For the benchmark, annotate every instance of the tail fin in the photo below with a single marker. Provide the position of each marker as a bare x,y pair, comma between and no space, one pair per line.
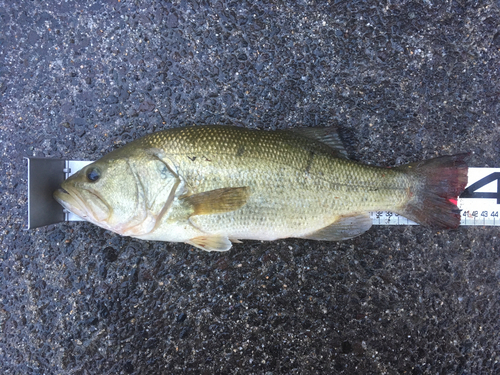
439,182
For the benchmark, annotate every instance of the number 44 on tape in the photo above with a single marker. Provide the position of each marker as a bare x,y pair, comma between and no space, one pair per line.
479,203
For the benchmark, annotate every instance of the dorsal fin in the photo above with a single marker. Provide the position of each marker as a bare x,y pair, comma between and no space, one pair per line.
328,136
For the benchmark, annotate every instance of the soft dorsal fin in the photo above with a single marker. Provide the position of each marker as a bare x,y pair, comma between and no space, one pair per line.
328,136
218,201
343,228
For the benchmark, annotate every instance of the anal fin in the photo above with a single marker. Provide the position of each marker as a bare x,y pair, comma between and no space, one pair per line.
219,200
344,228
211,243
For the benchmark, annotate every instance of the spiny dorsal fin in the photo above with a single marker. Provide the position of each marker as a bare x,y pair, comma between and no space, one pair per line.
218,201
328,136
211,243
343,228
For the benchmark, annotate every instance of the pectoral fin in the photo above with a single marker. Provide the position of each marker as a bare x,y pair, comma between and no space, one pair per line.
218,201
343,228
211,243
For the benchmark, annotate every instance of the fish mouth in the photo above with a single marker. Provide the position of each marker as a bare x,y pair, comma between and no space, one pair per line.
69,202
61,190
85,204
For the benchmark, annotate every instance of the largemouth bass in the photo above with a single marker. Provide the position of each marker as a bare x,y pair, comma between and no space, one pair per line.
209,186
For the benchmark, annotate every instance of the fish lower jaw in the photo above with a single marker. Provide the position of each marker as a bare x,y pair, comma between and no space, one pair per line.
73,204
143,227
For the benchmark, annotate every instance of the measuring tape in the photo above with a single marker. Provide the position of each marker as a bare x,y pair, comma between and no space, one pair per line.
479,203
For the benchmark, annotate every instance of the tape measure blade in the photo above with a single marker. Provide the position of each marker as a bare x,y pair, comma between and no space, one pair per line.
480,206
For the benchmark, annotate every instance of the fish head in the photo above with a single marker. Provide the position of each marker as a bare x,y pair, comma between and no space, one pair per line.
124,194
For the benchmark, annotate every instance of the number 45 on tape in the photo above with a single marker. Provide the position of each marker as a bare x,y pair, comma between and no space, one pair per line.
479,203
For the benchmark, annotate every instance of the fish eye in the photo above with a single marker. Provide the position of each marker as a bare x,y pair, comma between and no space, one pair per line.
93,174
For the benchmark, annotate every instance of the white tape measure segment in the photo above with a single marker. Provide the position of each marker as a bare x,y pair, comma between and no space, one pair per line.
479,205
483,208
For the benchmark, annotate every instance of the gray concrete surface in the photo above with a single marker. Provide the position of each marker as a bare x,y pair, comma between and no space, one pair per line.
404,80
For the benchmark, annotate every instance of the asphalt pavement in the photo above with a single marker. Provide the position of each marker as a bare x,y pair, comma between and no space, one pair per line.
402,80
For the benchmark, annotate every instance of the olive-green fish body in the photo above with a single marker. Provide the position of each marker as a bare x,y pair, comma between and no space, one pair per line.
210,185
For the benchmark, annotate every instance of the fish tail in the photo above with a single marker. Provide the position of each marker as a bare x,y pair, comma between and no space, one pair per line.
438,183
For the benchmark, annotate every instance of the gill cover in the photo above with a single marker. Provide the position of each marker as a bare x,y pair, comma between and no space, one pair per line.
127,194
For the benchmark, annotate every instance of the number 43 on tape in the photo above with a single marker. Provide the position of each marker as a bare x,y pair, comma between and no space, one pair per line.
479,203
